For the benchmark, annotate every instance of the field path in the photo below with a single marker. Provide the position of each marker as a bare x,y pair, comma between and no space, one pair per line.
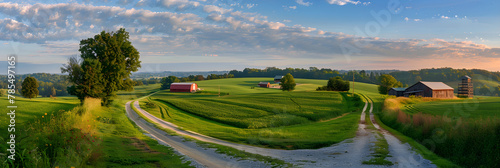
349,153
201,156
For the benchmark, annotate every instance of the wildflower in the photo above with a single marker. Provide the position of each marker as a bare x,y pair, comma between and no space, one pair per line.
46,144
45,113
43,116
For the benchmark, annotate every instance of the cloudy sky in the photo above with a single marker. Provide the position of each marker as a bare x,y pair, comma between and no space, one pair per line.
202,35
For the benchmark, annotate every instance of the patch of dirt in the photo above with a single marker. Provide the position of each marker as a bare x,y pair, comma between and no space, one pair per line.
141,145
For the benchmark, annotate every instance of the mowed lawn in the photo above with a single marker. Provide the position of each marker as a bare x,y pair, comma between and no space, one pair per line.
304,118
476,108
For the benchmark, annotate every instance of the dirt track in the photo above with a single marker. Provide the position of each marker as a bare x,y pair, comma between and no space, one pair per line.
349,153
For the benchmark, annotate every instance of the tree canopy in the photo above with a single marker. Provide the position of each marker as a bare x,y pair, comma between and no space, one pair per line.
104,67
387,82
166,81
336,84
29,87
287,83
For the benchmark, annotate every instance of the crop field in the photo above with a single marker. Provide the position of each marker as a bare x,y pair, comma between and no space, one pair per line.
304,118
476,108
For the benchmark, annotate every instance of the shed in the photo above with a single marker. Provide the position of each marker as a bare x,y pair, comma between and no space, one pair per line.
264,84
278,78
183,87
430,89
398,92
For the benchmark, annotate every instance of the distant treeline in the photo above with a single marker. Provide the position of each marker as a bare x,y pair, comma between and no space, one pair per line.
368,76
189,78
312,73
147,75
49,84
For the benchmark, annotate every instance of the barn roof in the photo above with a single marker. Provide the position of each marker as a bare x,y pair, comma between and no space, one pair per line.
182,84
465,77
399,89
278,77
436,85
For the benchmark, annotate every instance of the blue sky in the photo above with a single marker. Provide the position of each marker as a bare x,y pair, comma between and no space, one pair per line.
204,35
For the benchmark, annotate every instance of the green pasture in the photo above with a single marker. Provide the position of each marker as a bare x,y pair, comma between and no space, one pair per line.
269,117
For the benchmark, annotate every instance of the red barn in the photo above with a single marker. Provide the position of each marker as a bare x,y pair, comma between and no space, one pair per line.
183,87
430,89
264,84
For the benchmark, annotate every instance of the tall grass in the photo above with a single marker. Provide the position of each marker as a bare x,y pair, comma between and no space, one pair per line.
467,142
63,139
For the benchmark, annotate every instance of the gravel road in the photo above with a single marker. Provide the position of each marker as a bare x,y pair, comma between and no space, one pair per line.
349,153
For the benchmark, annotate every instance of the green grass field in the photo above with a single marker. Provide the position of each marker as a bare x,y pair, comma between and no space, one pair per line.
476,108
262,116
108,138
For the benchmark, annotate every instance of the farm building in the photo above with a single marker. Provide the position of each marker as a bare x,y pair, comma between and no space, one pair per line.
398,92
465,88
278,78
264,84
430,89
183,87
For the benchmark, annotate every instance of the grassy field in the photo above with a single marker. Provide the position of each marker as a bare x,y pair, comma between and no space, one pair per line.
378,103
262,116
477,108
466,131
69,135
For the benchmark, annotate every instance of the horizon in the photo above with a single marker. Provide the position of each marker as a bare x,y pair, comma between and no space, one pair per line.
211,35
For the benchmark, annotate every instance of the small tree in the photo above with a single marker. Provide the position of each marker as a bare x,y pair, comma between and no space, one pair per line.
338,84
387,82
288,83
29,87
53,90
166,81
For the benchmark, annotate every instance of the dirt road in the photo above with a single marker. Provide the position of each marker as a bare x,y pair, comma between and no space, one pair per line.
349,153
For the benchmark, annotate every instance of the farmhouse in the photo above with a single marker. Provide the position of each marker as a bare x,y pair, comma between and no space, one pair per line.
278,78
183,87
398,92
430,89
264,84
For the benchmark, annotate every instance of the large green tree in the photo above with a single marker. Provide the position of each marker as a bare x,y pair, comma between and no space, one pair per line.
387,82
288,83
107,60
29,87
166,81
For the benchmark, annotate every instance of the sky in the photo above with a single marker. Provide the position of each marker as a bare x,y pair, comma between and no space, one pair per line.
204,35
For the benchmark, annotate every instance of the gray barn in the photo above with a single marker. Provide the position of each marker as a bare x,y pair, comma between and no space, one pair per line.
430,89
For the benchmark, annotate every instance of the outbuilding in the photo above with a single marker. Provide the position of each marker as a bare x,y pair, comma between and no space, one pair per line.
264,84
430,89
278,78
183,87
398,92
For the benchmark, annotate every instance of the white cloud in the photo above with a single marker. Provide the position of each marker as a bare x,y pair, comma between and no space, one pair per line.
292,7
223,31
301,2
445,17
406,19
417,20
344,2
251,5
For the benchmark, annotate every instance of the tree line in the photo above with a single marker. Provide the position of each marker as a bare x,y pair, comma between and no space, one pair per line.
166,81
